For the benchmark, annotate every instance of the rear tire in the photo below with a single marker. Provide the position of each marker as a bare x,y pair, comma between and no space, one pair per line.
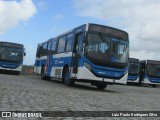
66,78
17,73
101,86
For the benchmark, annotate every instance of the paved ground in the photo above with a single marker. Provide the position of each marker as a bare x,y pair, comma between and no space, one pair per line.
29,92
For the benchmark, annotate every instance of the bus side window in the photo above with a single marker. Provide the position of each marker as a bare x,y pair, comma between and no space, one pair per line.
77,48
44,49
61,44
38,50
49,48
53,47
69,42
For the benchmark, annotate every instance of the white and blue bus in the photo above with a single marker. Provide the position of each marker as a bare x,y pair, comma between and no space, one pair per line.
133,72
11,57
150,72
89,53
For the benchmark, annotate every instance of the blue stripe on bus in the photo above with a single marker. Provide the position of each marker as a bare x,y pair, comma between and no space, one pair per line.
10,65
99,70
132,77
57,62
101,67
106,71
151,79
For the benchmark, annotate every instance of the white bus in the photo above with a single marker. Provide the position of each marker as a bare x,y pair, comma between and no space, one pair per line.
150,72
11,57
89,53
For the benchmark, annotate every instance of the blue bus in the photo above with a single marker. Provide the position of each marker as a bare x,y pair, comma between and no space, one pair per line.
150,72
11,57
89,53
133,72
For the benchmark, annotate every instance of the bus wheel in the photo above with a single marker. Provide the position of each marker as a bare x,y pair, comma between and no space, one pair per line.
66,78
101,86
154,86
48,78
17,73
43,77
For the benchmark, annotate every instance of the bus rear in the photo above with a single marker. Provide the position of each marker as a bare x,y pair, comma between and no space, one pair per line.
150,72
133,73
11,57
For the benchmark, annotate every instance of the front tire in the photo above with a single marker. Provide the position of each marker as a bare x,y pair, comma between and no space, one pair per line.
154,86
101,86
43,77
66,78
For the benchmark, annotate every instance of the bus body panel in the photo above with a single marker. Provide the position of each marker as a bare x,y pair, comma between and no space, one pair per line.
145,78
133,79
85,74
18,69
12,58
56,62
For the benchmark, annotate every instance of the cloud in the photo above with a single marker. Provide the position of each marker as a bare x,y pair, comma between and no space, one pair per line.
42,4
140,18
13,12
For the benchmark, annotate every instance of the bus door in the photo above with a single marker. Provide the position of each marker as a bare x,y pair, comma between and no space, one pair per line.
38,61
49,61
78,50
142,73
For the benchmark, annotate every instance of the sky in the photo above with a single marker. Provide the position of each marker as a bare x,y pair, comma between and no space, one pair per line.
30,22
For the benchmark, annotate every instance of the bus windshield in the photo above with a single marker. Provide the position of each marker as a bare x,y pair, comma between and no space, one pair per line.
154,69
133,68
8,54
105,48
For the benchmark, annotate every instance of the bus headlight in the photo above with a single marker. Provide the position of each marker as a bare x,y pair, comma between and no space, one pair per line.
87,66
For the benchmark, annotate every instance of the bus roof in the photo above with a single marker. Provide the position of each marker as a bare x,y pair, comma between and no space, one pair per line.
87,26
134,60
150,61
11,44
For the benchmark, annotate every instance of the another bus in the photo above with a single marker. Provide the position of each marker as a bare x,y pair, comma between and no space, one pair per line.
11,57
150,72
133,73
89,53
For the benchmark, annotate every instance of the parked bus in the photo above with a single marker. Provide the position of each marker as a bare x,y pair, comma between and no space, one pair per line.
150,72
11,57
89,53
133,72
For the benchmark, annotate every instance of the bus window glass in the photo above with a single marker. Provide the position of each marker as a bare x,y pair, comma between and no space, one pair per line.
61,44
98,46
69,45
120,51
53,48
44,49
38,51
49,47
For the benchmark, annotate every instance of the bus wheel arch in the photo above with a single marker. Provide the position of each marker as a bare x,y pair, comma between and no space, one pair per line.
66,76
